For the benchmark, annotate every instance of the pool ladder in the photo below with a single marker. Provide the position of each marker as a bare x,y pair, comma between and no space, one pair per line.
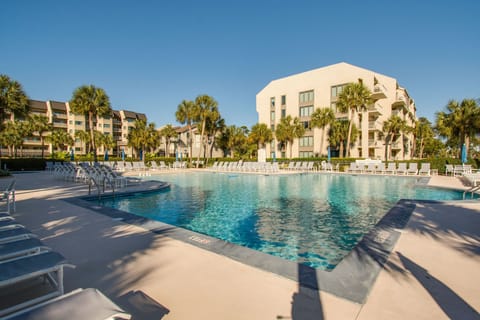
100,189
472,190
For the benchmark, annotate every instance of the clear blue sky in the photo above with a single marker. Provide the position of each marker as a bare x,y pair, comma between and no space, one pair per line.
150,55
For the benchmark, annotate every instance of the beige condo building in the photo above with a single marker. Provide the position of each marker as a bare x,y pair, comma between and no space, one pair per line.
118,124
300,94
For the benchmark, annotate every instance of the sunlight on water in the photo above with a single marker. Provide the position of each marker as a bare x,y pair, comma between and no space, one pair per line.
315,219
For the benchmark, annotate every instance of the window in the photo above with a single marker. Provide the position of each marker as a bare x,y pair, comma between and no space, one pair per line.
284,113
306,141
306,97
336,90
78,123
70,122
272,102
306,124
272,116
284,100
305,154
106,125
272,127
306,111
272,144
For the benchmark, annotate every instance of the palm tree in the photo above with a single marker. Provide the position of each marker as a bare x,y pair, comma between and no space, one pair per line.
186,113
92,102
13,135
423,133
85,138
13,100
392,128
233,140
322,118
143,137
41,125
207,108
338,135
460,122
355,97
213,128
105,141
168,132
289,129
261,134
59,139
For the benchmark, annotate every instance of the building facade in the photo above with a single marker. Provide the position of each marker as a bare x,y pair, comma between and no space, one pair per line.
118,124
300,94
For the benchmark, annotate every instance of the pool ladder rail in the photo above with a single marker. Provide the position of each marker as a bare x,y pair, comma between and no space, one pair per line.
472,190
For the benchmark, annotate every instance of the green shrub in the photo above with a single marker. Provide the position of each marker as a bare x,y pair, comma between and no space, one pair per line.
23,164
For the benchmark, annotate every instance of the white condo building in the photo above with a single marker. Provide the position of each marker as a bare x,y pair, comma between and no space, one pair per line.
300,94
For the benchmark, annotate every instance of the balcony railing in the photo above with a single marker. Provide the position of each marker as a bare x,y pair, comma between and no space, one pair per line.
379,92
374,124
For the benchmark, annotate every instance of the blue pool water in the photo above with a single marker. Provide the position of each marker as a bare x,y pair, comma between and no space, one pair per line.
315,219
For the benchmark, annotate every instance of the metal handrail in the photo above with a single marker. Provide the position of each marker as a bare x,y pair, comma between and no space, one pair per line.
471,190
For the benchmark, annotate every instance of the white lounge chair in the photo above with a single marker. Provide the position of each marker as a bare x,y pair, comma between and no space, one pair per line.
291,165
412,168
79,304
391,168
449,169
402,168
371,167
380,168
6,224
9,197
424,169
49,264
15,234
21,248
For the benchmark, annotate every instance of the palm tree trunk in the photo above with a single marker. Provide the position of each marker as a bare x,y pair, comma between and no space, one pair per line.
201,142
341,149
467,143
321,141
92,138
414,145
386,148
190,142
43,145
421,148
290,146
350,124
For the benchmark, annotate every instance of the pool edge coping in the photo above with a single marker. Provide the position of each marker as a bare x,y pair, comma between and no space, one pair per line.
352,279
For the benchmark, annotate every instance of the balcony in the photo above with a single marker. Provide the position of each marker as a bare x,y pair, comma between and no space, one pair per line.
396,146
376,109
400,102
379,92
59,125
374,125
60,115
341,115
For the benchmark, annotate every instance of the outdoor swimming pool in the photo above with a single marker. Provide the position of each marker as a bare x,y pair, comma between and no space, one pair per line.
314,219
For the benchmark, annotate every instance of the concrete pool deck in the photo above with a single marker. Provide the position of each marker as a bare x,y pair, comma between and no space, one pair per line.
433,271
